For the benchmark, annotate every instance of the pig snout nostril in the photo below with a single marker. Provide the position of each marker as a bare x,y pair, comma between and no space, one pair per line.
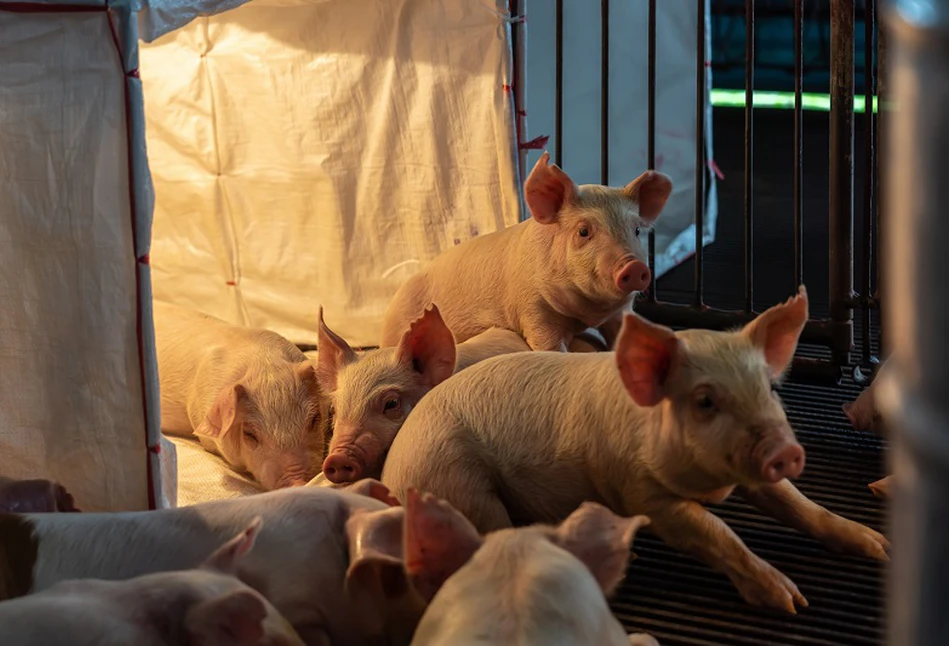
339,468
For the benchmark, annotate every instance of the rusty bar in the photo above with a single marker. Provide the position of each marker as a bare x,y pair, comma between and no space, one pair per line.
749,153
651,136
558,101
798,143
699,153
605,92
840,247
869,23
912,392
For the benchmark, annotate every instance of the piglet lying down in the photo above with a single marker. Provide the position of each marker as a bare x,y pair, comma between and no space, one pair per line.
329,561
668,422
206,606
520,587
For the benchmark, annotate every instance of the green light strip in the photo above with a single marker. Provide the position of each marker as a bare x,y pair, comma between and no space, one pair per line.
785,100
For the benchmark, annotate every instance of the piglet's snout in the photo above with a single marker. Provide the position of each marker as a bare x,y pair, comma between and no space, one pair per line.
340,467
780,459
633,276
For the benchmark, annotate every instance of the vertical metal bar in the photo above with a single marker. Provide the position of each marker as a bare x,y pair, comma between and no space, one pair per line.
881,139
798,143
749,152
605,92
518,47
558,102
869,20
912,394
697,299
840,247
651,134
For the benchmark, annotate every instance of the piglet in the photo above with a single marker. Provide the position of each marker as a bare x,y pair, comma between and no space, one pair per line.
249,395
39,495
574,264
330,561
533,585
667,422
207,606
863,412
372,394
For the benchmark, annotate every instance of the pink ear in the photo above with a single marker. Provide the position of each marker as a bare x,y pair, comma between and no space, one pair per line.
601,540
223,414
226,557
234,619
776,331
547,189
429,347
333,353
650,190
439,540
645,354
375,552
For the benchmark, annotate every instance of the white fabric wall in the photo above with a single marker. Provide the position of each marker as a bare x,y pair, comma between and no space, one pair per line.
676,22
71,382
315,151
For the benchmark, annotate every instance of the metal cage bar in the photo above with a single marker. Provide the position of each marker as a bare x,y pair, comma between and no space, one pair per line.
749,153
651,135
697,299
605,92
798,144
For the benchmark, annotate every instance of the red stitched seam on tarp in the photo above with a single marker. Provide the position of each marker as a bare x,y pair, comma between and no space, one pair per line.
230,282
138,272
145,260
155,449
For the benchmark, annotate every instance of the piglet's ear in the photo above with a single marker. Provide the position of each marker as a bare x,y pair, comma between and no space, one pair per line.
777,330
233,619
601,540
439,540
429,348
650,190
226,558
547,190
224,414
645,355
333,354
375,555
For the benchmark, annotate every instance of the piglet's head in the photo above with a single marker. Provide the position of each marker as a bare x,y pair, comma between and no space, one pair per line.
715,392
269,423
594,233
373,394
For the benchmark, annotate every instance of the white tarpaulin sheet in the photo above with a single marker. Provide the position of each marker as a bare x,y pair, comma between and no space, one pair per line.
71,382
315,152
628,91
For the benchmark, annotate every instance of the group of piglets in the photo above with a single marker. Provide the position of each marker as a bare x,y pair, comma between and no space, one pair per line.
484,471
310,566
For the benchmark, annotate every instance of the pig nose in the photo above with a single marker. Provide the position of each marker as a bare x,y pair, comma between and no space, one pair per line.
341,467
633,277
786,463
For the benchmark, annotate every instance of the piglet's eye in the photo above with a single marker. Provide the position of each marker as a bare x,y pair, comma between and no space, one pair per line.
584,232
638,231
251,438
705,403
390,404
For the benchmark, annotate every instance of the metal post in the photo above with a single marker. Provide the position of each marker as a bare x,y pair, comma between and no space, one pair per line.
605,92
869,185
798,143
913,394
519,81
558,101
697,299
651,134
841,179
749,153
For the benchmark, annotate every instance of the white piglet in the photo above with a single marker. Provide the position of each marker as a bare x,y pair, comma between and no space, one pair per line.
206,606
248,394
373,393
520,587
577,263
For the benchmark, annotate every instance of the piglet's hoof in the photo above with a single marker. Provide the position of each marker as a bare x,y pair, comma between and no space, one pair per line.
33,496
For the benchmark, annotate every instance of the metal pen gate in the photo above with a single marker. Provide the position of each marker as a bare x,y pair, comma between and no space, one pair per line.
835,332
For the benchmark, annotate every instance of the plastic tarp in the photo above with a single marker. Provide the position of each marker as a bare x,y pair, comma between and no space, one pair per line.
676,24
317,151
74,320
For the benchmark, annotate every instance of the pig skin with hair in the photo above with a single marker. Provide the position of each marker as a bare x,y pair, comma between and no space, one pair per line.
248,395
372,393
520,587
576,263
206,605
330,561
667,422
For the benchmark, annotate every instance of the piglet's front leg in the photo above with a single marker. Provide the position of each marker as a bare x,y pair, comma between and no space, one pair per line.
689,527
786,503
